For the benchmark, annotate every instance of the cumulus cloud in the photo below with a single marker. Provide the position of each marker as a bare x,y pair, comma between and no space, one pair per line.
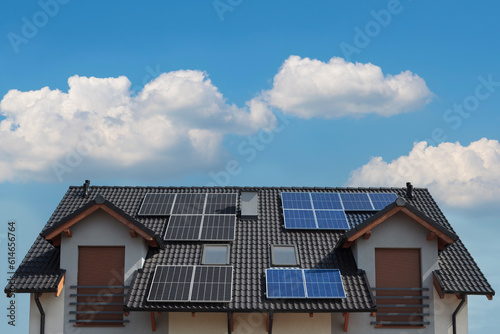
175,124
311,88
460,176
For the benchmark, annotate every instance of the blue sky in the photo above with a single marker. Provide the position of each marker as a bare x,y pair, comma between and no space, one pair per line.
329,93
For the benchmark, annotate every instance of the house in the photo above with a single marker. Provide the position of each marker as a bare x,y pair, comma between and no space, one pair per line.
248,260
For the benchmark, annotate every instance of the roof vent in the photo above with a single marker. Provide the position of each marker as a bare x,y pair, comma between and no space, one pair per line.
409,190
86,186
99,199
249,204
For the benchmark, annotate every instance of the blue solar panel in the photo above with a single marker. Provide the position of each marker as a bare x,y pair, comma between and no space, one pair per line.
326,201
324,283
331,220
299,219
296,201
356,202
285,283
381,200
304,283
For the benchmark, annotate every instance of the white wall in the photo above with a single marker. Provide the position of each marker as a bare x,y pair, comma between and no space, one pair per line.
400,231
98,229
54,313
444,308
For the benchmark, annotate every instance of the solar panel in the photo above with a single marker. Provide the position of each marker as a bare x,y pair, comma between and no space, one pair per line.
304,283
285,283
218,227
326,201
296,201
157,204
381,200
212,284
189,204
332,220
299,219
324,283
183,227
171,284
356,202
191,283
221,204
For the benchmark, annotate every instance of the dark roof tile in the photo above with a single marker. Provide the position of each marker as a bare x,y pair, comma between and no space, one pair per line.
458,272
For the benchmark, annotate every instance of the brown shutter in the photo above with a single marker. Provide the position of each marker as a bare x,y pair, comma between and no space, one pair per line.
399,269
103,269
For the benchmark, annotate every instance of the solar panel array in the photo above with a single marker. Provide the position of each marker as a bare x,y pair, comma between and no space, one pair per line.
191,284
304,283
326,211
157,205
160,204
201,227
194,216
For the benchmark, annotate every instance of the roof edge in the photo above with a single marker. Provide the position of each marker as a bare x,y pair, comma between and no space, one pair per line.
99,202
400,205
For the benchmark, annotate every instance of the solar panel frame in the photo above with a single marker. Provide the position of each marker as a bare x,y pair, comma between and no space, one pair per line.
183,227
300,219
221,204
157,204
218,223
331,220
381,200
326,201
296,200
356,202
171,278
189,204
324,283
207,283
285,283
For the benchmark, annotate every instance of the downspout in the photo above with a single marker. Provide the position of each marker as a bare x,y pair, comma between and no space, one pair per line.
42,314
454,317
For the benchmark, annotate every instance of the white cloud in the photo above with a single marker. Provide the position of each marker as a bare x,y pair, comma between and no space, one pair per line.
311,88
459,176
175,124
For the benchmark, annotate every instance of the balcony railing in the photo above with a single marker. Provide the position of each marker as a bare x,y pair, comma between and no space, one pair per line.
98,305
401,307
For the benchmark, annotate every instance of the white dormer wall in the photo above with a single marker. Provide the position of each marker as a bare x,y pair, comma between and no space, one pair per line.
101,229
401,231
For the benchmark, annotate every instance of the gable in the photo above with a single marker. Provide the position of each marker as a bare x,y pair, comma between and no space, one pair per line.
99,204
400,208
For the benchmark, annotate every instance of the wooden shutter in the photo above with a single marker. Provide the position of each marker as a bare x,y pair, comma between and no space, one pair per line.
101,277
399,269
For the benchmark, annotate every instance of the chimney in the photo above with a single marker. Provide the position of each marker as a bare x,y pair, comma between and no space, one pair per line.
409,190
86,186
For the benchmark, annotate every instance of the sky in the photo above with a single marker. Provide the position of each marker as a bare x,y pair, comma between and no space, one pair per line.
259,93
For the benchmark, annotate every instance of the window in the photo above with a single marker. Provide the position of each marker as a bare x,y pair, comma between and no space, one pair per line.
215,254
100,289
398,287
284,255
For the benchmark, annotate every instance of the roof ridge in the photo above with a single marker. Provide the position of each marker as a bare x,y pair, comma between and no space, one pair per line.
247,187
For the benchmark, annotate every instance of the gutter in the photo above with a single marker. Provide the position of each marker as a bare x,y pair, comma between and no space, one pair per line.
42,314
454,316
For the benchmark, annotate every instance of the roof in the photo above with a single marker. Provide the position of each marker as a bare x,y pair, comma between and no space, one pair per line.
458,272
400,205
99,202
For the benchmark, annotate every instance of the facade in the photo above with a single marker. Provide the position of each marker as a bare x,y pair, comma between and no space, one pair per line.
248,260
